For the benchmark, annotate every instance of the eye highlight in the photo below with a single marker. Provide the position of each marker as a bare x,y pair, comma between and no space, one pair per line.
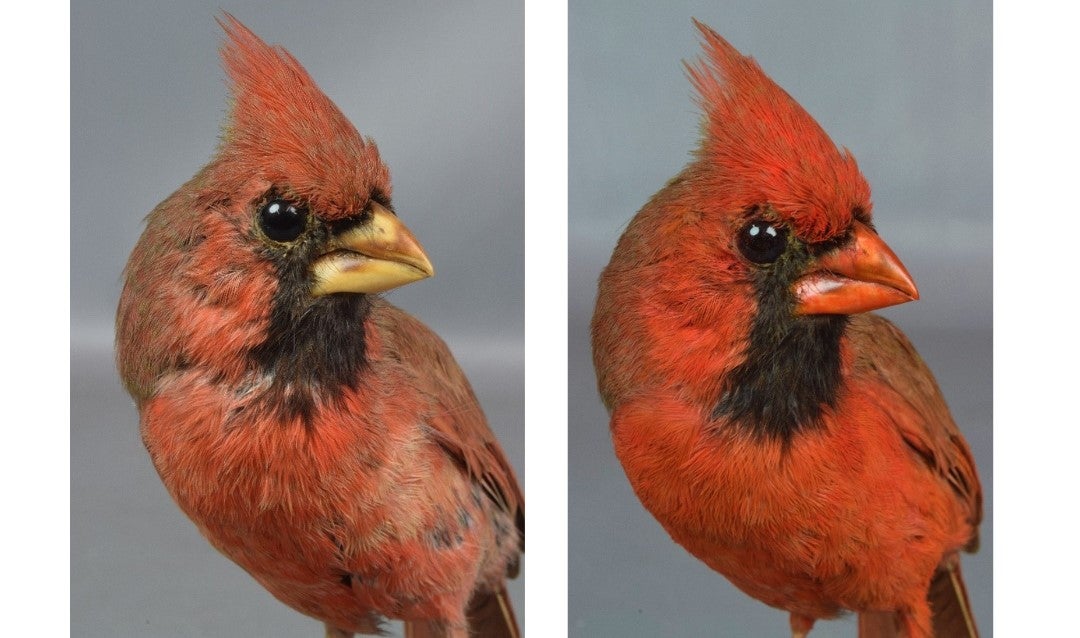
762,242
282,220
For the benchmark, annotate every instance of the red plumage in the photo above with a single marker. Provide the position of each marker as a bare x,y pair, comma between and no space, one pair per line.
792,443
321,438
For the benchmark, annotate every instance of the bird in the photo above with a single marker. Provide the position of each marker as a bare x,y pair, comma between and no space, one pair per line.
776,428
324,440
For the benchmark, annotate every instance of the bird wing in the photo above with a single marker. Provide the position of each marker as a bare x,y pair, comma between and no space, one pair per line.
884,353
457,423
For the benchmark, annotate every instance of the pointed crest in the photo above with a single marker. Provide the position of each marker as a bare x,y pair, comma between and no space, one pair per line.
760,146
282,127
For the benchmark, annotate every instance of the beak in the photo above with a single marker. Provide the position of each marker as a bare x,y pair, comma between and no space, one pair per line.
375,256
862,275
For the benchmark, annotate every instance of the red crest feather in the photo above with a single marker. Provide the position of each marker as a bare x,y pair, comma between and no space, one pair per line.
283,128
760,146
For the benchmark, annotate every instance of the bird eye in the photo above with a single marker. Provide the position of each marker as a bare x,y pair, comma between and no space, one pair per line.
282,220
762,242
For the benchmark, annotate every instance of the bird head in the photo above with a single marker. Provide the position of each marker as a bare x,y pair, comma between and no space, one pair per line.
320,189
273,250
780,203
749,261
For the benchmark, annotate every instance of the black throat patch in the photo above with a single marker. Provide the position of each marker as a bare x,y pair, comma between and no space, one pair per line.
313,346
791,370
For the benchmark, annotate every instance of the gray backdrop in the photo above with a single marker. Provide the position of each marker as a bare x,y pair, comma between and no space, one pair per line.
440,89
905,86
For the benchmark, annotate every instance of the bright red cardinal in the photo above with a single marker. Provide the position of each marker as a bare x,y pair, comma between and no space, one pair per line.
324,440
796,446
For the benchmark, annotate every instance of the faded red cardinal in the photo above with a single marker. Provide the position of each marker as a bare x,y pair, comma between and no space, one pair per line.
321,438
795,445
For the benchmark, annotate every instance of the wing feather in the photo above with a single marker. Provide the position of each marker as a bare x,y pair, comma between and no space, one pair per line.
882,351
456,421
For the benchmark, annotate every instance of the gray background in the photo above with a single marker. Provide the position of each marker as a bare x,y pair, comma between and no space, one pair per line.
905,86
440,89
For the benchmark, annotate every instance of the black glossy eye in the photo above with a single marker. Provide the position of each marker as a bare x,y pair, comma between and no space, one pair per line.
762,242
282,220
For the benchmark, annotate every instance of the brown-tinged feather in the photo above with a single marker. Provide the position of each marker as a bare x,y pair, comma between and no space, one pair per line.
457,423
884,354
950,604
878,624
490,616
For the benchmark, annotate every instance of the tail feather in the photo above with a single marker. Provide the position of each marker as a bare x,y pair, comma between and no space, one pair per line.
878,624
950,605
422,629
490,615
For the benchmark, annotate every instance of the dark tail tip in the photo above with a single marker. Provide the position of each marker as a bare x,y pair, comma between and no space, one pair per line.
491,616
949,603
878,624
950,609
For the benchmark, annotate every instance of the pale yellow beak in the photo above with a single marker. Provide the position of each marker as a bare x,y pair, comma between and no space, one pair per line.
375,256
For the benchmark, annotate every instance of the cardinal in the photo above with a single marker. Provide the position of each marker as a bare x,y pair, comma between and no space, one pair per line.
318,436
779,432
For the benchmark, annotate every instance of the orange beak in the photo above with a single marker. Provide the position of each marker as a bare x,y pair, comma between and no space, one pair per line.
862,275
